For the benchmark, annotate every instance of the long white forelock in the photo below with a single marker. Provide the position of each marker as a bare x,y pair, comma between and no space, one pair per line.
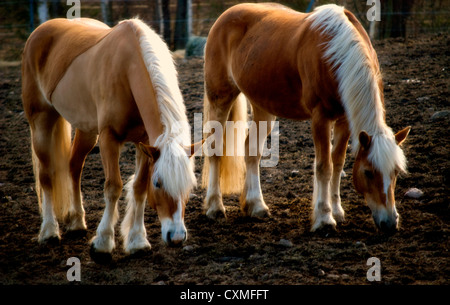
358,87
174,169
386,155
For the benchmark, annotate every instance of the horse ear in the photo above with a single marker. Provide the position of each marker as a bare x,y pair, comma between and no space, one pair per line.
192,149
150,151
400,136
364,140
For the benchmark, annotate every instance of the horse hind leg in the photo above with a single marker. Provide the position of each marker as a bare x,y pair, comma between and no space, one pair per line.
51,148
213,204
132,227
81,146
221,174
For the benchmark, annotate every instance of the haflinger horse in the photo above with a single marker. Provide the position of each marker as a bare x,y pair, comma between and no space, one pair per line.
319,66
113,85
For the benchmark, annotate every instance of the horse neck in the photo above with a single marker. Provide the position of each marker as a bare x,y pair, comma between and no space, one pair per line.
145,99
154,129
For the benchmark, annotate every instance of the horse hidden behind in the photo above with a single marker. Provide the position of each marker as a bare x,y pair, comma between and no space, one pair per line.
319,66
113,85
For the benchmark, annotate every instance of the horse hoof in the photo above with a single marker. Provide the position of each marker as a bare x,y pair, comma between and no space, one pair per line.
51,241
261,214
216,214
75,234
139,253
338,214
102,258
325,230
339,218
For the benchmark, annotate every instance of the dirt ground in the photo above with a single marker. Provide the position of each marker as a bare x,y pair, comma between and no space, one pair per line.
239,250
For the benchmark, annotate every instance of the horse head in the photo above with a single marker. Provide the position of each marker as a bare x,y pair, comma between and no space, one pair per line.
169,205
377,185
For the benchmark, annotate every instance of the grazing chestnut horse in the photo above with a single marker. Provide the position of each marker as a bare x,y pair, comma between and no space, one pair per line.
113,85
319,66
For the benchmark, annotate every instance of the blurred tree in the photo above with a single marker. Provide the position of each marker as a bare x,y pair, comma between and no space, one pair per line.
107,11
183,23
158,23
42,11
58,9
165,9
394,14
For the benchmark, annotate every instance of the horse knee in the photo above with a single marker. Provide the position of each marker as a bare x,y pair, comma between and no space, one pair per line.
45,179
139,190
250,160
113,188
323,170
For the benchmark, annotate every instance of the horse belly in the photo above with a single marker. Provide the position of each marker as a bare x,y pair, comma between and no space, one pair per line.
278,102
272,85
73,100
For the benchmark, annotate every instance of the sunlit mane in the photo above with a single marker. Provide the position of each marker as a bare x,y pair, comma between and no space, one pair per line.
357,78
173,168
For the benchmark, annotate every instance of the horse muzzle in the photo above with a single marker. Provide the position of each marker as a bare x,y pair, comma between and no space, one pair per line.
173,234
175,239
387,225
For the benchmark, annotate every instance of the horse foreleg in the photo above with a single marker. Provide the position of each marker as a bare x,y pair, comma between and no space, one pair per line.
341,137
103,243
81,146
252,201
132,227
321,131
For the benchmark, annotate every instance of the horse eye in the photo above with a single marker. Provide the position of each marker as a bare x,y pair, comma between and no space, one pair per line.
368,174
156,184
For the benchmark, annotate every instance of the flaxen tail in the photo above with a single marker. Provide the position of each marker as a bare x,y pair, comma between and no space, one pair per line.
58,149
232,169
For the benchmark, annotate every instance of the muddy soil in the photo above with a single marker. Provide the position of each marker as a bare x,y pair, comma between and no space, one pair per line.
239,250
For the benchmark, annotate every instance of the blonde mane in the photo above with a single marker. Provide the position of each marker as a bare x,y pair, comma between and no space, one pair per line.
357,78
174,168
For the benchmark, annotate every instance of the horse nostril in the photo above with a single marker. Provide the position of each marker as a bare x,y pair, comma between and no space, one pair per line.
168,238
388,228
174,242
383,226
